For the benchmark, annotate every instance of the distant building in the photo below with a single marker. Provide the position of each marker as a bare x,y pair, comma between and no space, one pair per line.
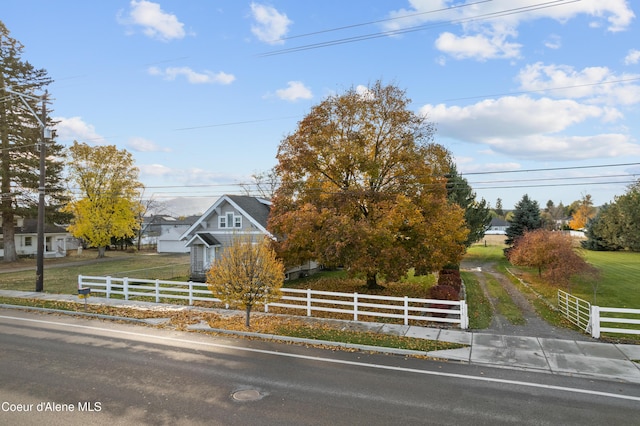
497,227
164,232
57,240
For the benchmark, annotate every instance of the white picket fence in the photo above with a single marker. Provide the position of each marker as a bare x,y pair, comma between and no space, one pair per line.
591,319
358,306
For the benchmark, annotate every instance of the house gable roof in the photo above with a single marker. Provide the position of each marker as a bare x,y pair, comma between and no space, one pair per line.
205,238
30,226
255,209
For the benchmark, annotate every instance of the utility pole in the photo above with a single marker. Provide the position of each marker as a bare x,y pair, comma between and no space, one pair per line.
41,194
42,145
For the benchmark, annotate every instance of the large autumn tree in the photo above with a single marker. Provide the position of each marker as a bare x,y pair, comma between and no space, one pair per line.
20,137
363,186
108,205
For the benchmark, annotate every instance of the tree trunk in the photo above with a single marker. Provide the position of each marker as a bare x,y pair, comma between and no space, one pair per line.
101,251
8,236
247,316
372,281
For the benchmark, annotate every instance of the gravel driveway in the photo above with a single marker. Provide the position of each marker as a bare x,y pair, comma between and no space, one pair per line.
534,326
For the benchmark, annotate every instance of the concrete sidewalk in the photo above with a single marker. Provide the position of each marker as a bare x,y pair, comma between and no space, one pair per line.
565,357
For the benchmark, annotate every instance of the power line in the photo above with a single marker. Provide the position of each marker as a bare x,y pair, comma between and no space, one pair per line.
410,15
482,17
550,169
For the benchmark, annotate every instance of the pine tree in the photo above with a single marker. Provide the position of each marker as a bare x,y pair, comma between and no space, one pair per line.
526,217
476,213
20,134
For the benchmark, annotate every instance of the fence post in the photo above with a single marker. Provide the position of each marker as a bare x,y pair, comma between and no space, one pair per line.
595,322
79,281
355,306
308,302
125,287
464,315
406,310
190,283
108,287
157,291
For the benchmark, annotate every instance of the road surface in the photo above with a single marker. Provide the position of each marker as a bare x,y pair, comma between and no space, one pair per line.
65,370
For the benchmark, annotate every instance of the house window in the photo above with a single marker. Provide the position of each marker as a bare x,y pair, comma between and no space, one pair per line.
28,241
230,220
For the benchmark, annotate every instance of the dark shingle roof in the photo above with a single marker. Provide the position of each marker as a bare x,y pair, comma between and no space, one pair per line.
254,207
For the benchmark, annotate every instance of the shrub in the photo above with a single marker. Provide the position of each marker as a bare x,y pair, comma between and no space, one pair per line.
450,277
444,292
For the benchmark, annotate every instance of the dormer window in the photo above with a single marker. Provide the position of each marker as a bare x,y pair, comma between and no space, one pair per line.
230,220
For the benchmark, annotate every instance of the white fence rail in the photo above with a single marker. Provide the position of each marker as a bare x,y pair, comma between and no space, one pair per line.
364,305
591,318
632,317
352,304
576,310
156,289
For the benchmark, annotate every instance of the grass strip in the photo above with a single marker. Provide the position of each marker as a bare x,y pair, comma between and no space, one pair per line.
264,324
504,303
480,311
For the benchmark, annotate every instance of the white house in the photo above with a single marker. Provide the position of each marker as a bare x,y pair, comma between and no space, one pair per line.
56,238
497,227
229,216
164,233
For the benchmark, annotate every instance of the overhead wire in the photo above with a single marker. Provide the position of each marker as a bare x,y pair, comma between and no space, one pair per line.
486,16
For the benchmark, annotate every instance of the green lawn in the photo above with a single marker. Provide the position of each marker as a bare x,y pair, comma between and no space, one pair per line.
64,279
619,284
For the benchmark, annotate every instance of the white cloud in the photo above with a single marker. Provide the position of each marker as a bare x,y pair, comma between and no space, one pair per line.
493,38
633,57
480,46
553,42
193,77
155,22
598,85
295,90
145,145
270,25
530,129
156,170
74,128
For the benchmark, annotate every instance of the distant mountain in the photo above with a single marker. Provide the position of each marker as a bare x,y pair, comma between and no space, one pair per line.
184,206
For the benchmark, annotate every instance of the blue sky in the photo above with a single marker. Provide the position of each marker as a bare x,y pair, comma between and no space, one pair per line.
531,96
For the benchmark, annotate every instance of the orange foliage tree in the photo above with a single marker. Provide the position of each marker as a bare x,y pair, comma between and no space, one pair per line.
553,254
584,212
363,186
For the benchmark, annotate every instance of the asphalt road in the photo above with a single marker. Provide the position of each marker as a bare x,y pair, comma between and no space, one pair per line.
66,370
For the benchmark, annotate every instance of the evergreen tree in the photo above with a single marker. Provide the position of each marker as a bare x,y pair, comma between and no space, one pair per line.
602,231
20,134
617,225
498,208
526,217
476,213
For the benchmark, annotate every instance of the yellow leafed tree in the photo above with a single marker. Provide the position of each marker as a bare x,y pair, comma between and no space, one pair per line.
248,273
108,205
584,212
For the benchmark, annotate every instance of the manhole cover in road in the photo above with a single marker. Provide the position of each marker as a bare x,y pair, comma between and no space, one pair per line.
246,395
